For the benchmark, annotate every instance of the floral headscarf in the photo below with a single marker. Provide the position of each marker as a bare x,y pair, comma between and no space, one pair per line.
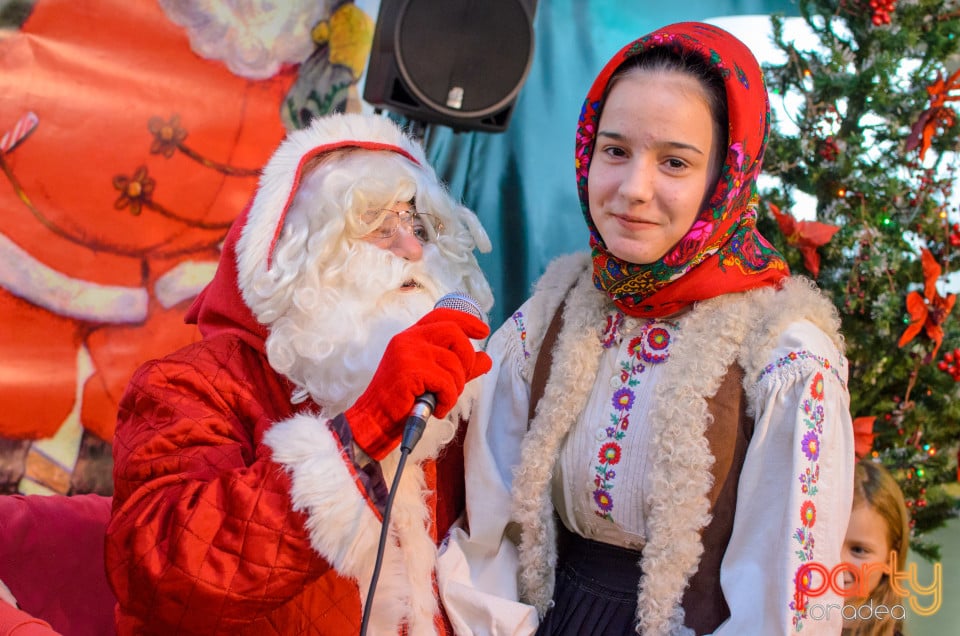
722,252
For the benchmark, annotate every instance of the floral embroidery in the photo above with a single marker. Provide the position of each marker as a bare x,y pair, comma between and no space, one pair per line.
808,514
603,500
802,580
808,481
518,320
794,356
651,346
657,339
623,399
611,332
813,419
609,453
816,389
811,446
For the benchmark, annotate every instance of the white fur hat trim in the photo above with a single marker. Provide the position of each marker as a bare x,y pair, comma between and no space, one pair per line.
281,177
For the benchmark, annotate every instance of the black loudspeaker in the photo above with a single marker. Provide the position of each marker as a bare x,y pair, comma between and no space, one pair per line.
460,63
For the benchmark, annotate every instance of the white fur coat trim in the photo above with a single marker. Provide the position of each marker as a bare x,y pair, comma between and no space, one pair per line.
345,530
706,345
575,365
712,337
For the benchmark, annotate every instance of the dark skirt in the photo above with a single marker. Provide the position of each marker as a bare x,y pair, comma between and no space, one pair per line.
595,591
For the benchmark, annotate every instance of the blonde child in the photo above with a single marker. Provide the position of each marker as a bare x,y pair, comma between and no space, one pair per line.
879,523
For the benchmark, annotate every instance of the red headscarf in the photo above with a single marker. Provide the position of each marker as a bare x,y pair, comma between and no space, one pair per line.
722,252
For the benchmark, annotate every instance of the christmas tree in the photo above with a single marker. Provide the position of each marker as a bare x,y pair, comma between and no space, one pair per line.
866,128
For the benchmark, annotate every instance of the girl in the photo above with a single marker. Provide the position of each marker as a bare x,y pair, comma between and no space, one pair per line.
665,436
879,523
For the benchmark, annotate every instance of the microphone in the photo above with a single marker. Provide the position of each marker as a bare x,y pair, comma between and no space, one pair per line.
424,404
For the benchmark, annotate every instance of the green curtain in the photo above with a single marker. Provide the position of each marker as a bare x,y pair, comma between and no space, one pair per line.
521,182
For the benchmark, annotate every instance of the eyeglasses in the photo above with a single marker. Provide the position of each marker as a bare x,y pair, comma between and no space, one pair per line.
386,222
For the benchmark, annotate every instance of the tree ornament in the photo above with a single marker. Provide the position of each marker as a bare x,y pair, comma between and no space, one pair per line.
863,435
881,11
806,236
937,116
928,311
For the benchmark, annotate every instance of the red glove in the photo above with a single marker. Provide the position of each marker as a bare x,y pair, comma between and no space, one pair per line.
435,355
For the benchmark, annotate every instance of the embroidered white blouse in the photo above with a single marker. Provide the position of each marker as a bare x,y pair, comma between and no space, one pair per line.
600,482
794,492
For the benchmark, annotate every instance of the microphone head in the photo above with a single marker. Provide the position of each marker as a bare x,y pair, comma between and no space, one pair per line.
461,302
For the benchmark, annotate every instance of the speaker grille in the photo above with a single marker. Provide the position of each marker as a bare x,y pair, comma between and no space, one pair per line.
465,58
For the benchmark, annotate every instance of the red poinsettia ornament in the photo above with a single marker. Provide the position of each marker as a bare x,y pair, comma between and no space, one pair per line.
806,236
863,435
929,310
938,115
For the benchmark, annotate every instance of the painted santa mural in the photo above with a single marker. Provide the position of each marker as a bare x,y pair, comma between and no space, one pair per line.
131,135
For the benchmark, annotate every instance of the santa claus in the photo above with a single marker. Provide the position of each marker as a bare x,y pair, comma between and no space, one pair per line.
252,468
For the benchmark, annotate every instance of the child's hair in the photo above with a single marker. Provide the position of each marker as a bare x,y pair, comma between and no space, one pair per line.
875,487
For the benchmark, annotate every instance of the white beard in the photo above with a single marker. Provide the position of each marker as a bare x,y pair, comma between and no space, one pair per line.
333,337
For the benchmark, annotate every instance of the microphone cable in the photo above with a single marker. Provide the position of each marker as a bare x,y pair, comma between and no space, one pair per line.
411,435
384,531
416,422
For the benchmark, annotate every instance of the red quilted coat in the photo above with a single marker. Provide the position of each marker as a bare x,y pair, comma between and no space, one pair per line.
236,513
204,539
